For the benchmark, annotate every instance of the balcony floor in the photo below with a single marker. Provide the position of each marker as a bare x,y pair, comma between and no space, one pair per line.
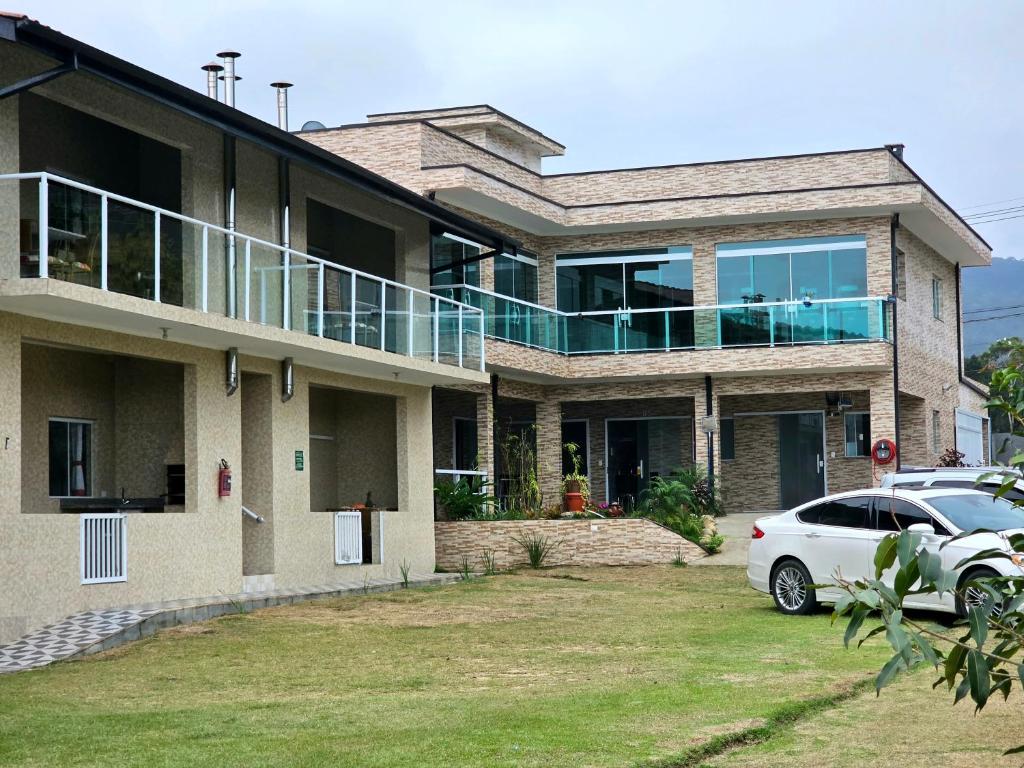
82,305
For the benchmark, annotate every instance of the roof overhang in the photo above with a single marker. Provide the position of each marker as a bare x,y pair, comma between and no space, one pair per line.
60,48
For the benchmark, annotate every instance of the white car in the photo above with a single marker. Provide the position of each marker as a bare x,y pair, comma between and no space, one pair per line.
838,535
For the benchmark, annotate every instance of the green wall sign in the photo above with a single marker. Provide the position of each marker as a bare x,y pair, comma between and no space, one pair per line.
300,461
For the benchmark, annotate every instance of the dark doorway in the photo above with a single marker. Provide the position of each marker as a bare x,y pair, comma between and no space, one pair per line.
801,458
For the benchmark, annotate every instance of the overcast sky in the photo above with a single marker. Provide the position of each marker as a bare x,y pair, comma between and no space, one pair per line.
629,83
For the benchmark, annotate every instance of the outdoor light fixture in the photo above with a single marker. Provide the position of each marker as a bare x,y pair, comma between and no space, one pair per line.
231,380
807,300
287,380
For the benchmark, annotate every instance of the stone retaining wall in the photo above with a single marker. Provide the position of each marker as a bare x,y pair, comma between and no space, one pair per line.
578,542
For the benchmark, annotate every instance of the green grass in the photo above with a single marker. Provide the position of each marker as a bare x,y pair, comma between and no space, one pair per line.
615,667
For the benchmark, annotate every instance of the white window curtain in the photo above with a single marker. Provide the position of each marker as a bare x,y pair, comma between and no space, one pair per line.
77,461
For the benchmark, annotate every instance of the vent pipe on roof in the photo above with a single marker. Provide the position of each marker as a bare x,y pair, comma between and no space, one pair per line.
211,71
282,104
229,76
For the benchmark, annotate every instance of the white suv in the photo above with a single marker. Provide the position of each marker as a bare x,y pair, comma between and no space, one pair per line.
956,477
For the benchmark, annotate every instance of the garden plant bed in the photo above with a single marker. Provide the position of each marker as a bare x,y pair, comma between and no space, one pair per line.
589,542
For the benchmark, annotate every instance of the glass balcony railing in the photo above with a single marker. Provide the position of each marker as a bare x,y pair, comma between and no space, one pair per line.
76,233
776,324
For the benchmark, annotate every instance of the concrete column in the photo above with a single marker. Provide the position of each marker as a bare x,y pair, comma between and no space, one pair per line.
485,435
883,415
549,450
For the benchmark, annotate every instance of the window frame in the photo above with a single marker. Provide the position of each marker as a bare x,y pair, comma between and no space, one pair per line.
937,298
621,258
90,484
868,515
846,435
732,441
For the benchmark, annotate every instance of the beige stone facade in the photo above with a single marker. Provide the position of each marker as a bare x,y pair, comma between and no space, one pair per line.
574,542
453,156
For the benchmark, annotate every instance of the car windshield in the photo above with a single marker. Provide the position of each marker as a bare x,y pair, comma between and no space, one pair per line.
971,511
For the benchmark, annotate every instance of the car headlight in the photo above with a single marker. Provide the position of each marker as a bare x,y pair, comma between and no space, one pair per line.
1017,559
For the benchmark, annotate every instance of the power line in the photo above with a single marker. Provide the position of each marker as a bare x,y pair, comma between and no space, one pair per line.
997,317
994,212
1004,218
993,309
993,202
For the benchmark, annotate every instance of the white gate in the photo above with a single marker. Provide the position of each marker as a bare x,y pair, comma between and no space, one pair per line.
970,437
104,547
348,538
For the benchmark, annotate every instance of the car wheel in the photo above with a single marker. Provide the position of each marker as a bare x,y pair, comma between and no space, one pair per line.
973,595
791,588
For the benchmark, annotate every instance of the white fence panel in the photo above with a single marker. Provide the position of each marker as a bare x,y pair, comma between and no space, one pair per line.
104,547
348,538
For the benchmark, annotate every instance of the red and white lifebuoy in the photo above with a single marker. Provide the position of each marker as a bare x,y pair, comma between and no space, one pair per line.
883,451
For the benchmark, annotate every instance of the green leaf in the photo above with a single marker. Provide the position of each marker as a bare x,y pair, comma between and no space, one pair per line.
856,619
906,545
1015,750
1020,673
906,577
892,666
869,597
962,690
978,620
977,674
880,628
929,565
842,605
926,650
885,555
955,662
985,554
946,582
895,634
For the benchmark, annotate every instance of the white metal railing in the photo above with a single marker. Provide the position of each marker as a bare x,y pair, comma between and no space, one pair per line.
770,324
348,537
458,474
436,328
103,538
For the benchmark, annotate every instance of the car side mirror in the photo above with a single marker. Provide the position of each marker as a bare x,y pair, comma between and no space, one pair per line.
925,529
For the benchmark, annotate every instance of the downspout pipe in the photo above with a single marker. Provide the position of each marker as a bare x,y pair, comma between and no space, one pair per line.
958,273
894,225
709,410
495,385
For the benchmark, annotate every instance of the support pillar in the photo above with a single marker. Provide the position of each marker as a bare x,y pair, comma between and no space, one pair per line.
485,436
549,450
883,420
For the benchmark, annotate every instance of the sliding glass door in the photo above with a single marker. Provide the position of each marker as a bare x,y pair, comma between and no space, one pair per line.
629,287
640,450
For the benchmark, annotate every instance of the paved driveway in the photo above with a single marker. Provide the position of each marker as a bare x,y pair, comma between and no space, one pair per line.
736,529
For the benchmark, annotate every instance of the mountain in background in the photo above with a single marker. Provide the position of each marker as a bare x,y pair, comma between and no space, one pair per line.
984,288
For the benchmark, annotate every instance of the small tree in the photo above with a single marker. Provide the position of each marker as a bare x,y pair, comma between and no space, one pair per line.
576,481
988,658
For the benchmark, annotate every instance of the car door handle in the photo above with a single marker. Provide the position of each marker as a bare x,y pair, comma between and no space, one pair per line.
813,535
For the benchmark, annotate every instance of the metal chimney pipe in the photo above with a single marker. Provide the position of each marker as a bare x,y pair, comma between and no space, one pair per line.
282,103
211,71
229,75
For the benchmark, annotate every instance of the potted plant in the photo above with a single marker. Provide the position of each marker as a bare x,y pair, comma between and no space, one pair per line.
575,486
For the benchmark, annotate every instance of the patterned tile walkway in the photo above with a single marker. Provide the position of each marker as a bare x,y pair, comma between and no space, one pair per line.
92,631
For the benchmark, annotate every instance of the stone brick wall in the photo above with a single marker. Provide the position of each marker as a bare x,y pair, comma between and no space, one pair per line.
577,542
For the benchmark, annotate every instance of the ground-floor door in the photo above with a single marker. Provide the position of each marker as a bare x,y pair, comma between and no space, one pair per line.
801,458
639,450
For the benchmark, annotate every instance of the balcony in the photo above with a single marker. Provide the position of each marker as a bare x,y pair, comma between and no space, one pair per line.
767,324
101,240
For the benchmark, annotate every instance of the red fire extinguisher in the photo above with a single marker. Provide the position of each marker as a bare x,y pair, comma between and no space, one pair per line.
224,479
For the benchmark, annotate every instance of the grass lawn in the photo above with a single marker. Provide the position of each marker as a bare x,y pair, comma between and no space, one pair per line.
573,667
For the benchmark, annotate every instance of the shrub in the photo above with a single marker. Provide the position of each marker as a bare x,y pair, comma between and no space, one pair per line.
466,499
951,457
680,501
537,547
713,544
490,568
576,480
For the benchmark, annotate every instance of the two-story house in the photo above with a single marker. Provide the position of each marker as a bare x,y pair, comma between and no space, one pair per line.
217,345
770,318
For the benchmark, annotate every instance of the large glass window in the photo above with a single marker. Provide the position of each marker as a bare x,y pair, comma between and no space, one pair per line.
446,254
807,270
516,276
465,444
70,449
841,513
615,281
